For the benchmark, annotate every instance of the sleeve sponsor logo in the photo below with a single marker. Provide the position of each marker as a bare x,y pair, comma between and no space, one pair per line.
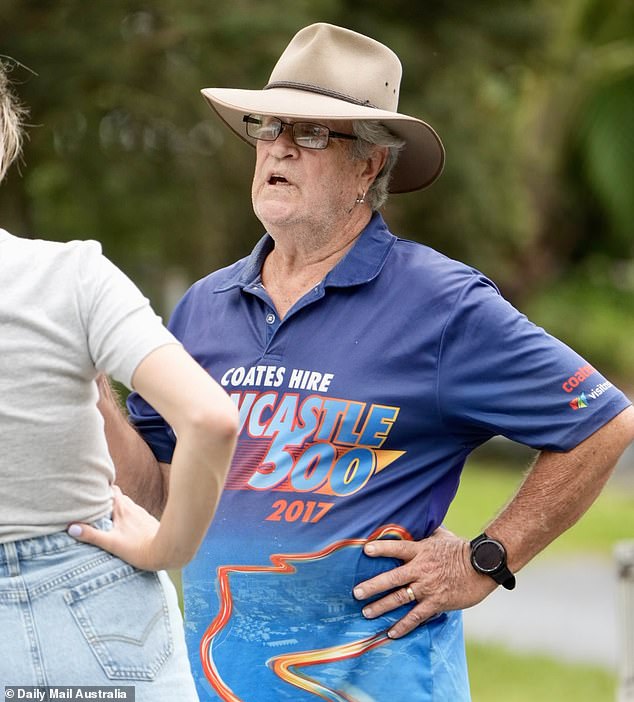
579,376
579,402
585,398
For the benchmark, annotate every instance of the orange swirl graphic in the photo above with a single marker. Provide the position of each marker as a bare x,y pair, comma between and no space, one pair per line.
285,666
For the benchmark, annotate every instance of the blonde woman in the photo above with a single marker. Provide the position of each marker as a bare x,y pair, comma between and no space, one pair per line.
71,612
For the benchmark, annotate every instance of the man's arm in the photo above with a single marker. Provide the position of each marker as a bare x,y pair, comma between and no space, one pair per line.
139,475
556,492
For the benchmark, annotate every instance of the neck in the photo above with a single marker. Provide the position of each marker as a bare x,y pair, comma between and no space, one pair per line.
302,258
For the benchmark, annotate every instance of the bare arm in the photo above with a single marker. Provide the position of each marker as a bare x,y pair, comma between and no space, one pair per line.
205,423
559,490
554,495
139,474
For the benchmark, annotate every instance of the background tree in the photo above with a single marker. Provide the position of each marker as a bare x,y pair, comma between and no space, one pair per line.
533,100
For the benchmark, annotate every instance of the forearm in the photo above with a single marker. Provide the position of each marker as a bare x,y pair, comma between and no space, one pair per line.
205,422
138,473
437,570
558,490
201,459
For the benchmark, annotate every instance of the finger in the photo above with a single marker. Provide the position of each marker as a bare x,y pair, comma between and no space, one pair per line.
392,548
89,535
398,577
398,598
414,618
389,580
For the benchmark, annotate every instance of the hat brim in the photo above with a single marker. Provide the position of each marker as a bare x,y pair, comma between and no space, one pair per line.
420,162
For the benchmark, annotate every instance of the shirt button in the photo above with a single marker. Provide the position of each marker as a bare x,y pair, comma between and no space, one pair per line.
270,318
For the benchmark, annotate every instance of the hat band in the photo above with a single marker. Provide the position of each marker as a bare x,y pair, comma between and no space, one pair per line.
321,91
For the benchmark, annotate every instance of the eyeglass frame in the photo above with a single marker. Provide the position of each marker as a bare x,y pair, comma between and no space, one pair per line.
251,119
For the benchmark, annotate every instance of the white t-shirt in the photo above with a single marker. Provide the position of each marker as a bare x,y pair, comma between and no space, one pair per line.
66,313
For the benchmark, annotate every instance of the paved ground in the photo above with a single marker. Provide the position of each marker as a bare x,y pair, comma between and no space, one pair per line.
564,608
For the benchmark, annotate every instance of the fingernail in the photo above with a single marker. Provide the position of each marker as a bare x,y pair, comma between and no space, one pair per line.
74,530
358,593
367,612
369,548
391,635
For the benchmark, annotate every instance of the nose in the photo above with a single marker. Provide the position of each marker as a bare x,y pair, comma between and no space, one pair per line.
284,144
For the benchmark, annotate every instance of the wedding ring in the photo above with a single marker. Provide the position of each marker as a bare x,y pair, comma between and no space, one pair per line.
410,594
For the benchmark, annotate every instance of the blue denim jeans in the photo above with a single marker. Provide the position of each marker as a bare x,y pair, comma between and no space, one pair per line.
72,614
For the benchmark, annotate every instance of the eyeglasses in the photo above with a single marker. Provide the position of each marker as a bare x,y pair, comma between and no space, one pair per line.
305,134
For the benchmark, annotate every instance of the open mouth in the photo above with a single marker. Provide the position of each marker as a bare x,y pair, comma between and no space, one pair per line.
277,180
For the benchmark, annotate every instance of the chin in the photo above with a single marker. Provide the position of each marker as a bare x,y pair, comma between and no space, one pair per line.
271,214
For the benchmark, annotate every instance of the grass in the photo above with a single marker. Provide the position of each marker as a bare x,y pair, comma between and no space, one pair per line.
496,674
499,676
484,490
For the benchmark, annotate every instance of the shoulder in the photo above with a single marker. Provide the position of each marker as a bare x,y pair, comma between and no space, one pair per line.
42,250
432,273
47,260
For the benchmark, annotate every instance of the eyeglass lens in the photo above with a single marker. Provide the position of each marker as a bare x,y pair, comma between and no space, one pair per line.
306,134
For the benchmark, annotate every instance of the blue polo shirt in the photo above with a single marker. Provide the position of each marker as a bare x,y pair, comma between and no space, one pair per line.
357,413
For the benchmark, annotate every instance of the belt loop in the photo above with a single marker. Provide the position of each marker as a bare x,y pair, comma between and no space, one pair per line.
13,560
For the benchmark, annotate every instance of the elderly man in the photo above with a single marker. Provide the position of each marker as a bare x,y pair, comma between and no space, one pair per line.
365,369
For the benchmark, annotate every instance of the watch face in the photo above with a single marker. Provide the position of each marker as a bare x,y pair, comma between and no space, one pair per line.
489,556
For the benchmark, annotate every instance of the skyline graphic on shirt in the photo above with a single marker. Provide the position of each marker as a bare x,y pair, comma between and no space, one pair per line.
246,593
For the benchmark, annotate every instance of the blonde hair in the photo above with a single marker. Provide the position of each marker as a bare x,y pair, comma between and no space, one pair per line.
11,115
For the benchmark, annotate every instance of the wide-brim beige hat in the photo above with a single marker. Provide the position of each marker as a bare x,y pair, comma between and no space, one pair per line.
331,73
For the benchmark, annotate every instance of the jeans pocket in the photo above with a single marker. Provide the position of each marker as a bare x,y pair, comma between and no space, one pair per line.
124,617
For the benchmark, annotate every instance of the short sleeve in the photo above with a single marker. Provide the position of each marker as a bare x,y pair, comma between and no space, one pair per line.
122,329
501,374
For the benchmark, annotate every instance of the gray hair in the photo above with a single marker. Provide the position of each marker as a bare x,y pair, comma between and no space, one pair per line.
11,116
372,133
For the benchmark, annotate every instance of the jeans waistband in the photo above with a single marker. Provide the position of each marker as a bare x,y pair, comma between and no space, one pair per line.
40,545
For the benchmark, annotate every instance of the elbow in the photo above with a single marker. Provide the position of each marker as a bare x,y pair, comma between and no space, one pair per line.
176,559
223,421
215,423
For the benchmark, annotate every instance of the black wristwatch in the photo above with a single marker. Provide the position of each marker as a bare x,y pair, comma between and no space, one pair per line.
488,557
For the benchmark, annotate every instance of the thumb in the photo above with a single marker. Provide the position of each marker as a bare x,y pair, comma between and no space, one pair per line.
88,534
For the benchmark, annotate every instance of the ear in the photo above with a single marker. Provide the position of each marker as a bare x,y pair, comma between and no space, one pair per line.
373,165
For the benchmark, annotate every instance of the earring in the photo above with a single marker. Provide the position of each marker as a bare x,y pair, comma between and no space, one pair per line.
360,200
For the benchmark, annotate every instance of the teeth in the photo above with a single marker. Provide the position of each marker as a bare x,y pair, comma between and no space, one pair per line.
274,179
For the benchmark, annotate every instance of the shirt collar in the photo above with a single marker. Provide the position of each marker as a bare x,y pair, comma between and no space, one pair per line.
360,265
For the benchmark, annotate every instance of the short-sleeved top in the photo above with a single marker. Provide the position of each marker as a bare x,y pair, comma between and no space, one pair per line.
66,312
357,413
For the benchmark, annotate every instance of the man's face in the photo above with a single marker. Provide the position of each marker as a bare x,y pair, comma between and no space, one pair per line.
294,186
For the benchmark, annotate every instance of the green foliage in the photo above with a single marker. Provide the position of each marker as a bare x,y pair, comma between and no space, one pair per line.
593,310
532,99
606,148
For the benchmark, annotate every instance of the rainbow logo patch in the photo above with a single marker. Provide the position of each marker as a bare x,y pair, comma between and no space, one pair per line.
579,402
